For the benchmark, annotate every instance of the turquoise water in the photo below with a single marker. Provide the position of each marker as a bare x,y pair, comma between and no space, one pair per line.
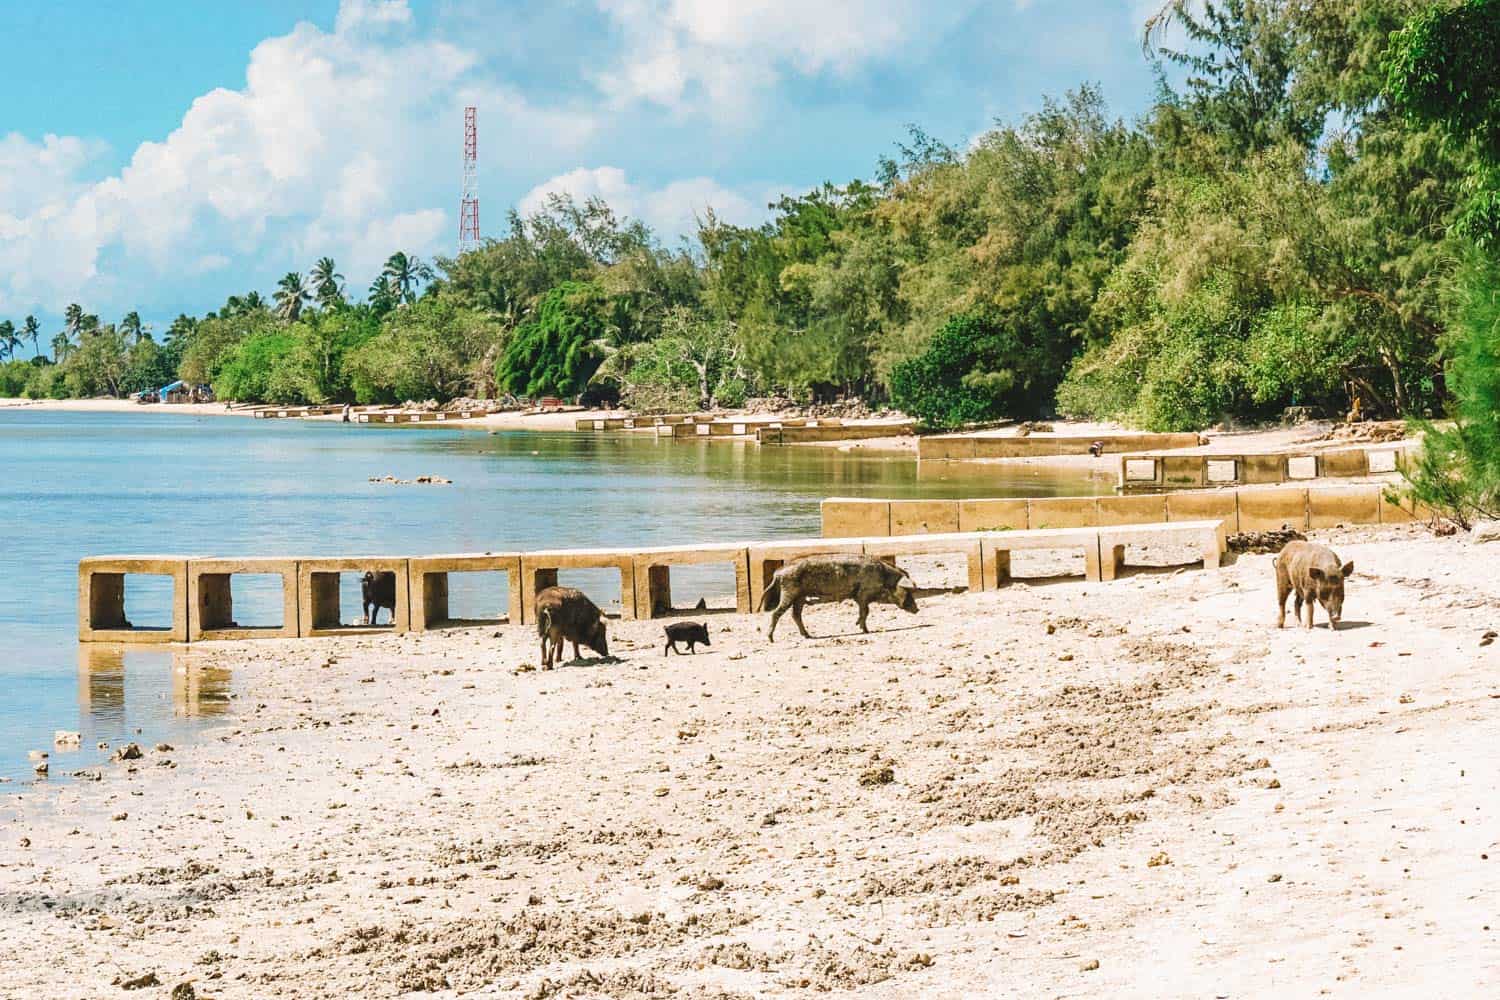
77,484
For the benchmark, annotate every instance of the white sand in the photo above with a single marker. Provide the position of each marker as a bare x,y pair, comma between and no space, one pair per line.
1161,783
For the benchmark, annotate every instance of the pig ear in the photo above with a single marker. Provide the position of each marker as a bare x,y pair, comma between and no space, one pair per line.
1315,573
1348,569
905,583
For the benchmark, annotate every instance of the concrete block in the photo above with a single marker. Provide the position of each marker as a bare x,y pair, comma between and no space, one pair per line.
539,571
211,599
1149,509
924,517
1381,460
1330,506
653,574
992,515
1260,469
1268,509
1209,536
945,449
967,544
1063,512
767,557
1182,471
1396,508
318,610
1348,462
428,583
996,549
101,598
850,517
1203,505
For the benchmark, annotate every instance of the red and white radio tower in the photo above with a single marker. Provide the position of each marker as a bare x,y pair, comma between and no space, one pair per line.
468,209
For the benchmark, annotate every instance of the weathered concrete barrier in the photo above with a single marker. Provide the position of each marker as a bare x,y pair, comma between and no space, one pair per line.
653,574
1251,509
644,422
211,598
970,546
428,580
1209,536
958,448
1160,472
318,610
742,427
101,598
845,432
539,571
999,546
767,557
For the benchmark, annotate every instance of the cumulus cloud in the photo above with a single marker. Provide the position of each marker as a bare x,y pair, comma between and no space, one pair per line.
319,153
679,50
672,210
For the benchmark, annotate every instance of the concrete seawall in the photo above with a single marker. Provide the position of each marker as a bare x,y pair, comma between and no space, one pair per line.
955,448
1242,509
1144,471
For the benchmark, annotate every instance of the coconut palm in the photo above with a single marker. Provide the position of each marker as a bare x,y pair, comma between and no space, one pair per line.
73,318
62,346
291,295
32,329
8,339
383,295
326,282
132,327
406,273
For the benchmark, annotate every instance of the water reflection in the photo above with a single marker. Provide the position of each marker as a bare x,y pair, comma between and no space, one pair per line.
199,690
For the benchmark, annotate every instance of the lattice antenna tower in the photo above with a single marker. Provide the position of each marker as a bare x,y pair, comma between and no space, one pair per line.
468,208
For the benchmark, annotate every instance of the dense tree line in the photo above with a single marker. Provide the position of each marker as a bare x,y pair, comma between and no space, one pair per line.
1277,230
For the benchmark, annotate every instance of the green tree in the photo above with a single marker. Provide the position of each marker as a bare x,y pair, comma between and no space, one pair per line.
557,352
406,274
9,341
290,296
976,368
32,330
327,283
436,348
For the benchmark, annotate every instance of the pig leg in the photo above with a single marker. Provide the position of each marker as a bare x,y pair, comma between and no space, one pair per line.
575,650
669,648
546,646
1283,588
781,607
864,613
797,617
1312,602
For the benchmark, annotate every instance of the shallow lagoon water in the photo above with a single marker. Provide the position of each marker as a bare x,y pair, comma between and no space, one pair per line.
77,484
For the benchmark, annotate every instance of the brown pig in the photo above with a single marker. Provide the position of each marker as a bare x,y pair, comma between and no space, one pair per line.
1314,573
565,613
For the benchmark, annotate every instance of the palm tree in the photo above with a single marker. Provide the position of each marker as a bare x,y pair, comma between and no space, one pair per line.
252,301
291,295
73,318
62,346
132,327
326,283
31,328
383,295
8,338
405,274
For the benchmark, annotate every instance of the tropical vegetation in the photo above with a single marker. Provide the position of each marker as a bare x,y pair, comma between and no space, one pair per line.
1293,222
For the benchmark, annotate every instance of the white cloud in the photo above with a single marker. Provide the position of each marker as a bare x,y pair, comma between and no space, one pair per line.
319,153
672,210
679,50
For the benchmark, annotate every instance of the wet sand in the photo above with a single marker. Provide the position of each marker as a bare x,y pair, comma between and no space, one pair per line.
1128,789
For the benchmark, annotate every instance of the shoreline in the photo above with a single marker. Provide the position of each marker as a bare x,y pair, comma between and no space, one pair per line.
1103,775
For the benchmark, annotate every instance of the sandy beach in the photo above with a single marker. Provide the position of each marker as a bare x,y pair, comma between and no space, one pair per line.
1134,789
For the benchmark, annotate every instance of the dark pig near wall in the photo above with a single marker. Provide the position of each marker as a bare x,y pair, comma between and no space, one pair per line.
378,591
863,579
564,613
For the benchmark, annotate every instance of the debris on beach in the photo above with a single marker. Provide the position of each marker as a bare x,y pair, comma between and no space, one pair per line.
1264,542
64,738
419,481
130,751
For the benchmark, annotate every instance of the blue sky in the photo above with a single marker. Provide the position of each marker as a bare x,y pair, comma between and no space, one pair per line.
162,154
